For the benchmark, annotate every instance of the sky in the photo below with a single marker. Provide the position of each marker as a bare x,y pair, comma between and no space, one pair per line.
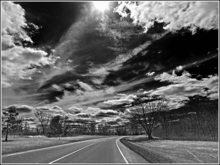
73,58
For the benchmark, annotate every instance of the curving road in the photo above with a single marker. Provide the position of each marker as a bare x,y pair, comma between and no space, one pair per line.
105,150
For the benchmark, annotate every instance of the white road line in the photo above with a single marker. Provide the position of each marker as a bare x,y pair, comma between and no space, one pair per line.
46,148
194,156
121,151
212,156
73,152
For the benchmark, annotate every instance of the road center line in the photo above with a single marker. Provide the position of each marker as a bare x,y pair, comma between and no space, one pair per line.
75,151
121,151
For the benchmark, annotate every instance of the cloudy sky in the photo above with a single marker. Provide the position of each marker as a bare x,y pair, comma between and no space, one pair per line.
74,58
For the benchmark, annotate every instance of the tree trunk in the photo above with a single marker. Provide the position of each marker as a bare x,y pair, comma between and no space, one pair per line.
6,135
150,137
149,134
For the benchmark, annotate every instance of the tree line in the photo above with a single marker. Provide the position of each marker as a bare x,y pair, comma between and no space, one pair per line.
146,114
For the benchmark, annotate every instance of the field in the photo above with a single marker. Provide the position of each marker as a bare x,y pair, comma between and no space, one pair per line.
171,151
17,144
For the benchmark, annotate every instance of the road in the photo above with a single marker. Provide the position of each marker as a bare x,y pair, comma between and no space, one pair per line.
105,150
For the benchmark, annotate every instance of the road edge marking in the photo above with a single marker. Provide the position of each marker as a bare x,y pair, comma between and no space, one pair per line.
200,161
22,152
73,152
121,151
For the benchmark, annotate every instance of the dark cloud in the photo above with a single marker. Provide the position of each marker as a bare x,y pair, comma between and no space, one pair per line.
20,108
117,121
83,115
105,113
205,67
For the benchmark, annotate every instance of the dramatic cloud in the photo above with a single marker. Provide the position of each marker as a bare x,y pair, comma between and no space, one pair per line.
175,15
24,56
15,57
84,76
185,86
83,99
178,92
13,22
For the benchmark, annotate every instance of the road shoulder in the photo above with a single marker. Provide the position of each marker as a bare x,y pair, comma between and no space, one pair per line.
130,155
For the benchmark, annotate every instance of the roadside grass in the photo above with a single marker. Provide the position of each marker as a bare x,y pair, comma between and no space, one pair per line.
146,154
170,151
19,144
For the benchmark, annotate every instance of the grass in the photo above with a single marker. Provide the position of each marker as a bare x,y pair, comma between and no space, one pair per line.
146,154
170,151
23,144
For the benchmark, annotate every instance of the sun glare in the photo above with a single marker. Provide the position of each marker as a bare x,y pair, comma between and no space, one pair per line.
101,5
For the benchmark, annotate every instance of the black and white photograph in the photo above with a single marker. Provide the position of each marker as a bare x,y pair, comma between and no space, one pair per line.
109,82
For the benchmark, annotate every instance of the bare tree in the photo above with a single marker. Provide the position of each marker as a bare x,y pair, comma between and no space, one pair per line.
10,114
145,110
43,119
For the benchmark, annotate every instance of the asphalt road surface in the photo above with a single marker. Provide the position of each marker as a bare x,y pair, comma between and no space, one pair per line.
105,150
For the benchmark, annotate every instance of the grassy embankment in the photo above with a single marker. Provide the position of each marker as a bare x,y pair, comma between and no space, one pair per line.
23,144
190,137
170,151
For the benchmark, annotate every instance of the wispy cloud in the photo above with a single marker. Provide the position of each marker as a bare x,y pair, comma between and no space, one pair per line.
186,86
74,110
51,110
177,92
85,86
105,113
124,99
